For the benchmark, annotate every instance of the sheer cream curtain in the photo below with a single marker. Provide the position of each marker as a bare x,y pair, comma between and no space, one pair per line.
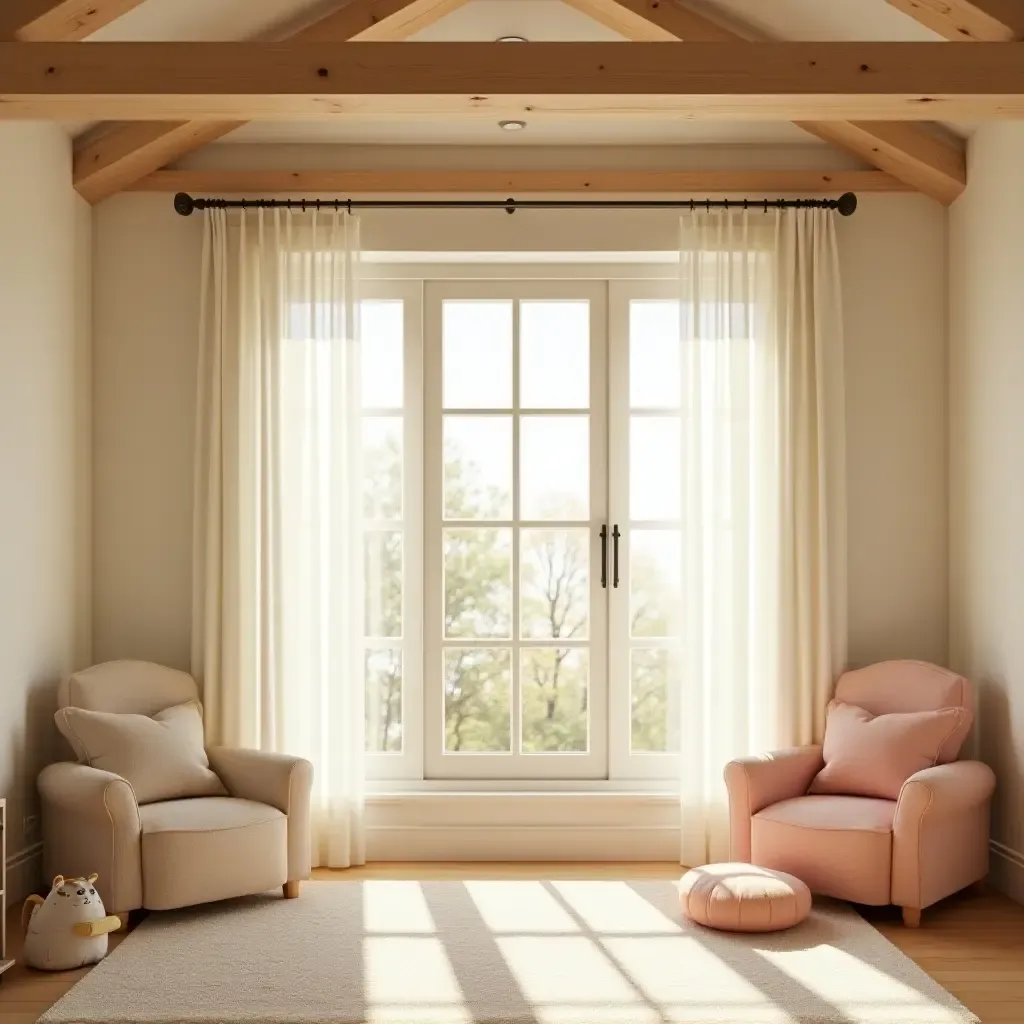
762,620
278,574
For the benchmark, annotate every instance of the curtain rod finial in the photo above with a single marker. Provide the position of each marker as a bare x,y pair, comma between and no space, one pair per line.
184,204
846,204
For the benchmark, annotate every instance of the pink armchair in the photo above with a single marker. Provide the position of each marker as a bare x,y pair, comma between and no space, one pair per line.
912,852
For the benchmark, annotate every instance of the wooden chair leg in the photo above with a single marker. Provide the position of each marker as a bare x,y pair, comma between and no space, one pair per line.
912,917
291,890
123,918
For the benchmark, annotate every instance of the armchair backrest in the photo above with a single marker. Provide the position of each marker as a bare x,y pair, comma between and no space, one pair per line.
127,687
900,686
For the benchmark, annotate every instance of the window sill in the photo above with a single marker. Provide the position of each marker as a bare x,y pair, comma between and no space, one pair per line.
520,787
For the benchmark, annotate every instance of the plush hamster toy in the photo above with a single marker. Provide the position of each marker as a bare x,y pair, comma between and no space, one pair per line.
69,928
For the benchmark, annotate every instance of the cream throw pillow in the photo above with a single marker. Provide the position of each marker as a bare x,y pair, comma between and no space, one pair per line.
162,757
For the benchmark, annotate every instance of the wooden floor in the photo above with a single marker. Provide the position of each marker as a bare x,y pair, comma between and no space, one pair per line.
971,944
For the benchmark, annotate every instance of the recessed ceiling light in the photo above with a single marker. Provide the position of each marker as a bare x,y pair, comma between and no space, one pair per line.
511,126
512,39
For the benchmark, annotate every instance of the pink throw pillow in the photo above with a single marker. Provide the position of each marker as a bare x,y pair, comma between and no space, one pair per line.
873,755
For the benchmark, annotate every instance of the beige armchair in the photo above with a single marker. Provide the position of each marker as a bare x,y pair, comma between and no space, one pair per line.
911,852
173,853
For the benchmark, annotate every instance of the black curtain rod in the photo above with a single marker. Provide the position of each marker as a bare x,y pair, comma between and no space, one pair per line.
185,204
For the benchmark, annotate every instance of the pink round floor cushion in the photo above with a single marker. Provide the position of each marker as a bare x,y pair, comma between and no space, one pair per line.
743,898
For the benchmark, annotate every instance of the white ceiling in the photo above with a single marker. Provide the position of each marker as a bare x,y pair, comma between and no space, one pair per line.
537,20
185,20
822,20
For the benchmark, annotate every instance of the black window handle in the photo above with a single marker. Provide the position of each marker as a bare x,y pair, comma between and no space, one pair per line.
615,555
604,556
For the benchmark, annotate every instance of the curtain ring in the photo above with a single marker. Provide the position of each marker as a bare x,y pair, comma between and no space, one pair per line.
349,205
766,206
744,205
707,205
692,207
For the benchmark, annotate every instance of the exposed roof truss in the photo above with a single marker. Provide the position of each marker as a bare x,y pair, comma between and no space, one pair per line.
857,97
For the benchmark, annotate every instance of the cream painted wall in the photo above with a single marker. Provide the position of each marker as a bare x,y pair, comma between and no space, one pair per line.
893,256
45,457
146,294
894,265
987,469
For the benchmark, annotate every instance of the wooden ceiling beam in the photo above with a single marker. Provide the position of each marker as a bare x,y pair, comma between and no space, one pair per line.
112,156
968,21
58,21
936,166
505,183
700,81
377,21
655,21
914,153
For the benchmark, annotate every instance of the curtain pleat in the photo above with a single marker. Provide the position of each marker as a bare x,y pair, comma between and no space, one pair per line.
761,633
278,568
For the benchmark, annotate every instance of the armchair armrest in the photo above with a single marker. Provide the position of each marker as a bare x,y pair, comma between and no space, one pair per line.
941,832
91,823
279,780
757,782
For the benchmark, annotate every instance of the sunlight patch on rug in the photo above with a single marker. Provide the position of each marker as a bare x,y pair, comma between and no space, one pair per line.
497,952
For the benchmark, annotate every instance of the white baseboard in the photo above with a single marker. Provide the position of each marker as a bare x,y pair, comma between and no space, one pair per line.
1006,870
24,871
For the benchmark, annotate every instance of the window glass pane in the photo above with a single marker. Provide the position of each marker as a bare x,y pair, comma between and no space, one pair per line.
654,693
655,583
655,477
554,467
478,467
382,332
382,467
477,712
718,321
383,675
554,355
555,698
310,321
478,582
555,584
383,582
654,354
477,339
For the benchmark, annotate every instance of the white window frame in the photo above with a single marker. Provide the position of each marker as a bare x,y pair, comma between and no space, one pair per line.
623,763
410,771
409,763
481,766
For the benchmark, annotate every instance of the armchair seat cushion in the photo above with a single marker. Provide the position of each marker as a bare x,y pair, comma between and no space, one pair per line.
840,846
210,848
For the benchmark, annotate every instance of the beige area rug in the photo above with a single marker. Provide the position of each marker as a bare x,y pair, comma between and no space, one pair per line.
500,952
